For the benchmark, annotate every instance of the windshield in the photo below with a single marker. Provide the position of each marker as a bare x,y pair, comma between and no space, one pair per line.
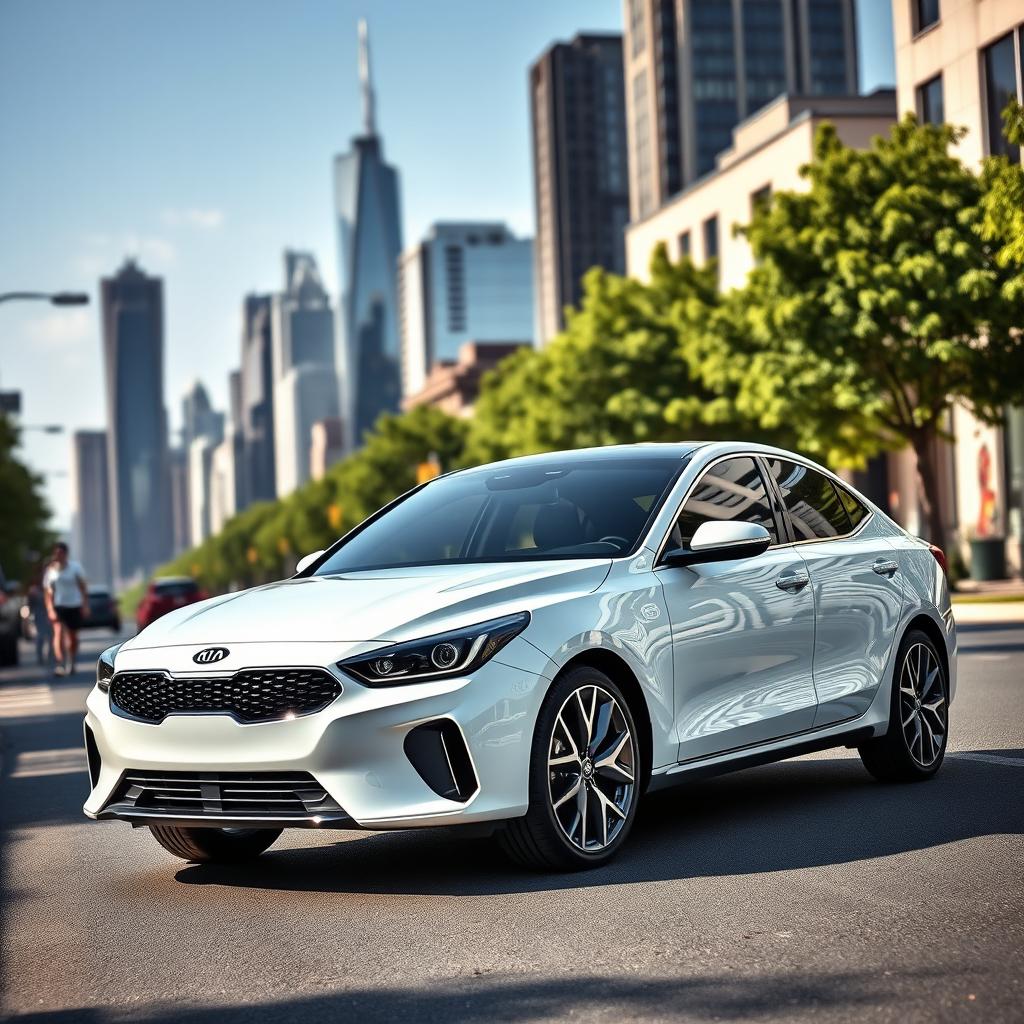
175,588
597,508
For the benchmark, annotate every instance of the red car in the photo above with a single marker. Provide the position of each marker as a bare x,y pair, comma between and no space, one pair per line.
164,594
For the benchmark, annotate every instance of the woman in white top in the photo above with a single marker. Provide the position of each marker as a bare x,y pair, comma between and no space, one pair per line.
67,601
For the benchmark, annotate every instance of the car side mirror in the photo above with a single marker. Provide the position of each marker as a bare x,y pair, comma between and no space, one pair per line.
716,541
307,560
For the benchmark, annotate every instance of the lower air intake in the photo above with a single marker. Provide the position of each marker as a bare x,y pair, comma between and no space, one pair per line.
285,797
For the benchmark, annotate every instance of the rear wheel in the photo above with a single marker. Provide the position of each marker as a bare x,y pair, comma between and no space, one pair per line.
214,845
584,777
914,745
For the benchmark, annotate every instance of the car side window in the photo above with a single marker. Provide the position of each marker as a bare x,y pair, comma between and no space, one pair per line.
854,509
813,503
730,491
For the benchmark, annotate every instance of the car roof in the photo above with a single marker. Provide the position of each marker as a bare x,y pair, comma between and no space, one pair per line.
668,451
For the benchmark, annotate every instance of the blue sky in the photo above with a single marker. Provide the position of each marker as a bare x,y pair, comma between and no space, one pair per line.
198,136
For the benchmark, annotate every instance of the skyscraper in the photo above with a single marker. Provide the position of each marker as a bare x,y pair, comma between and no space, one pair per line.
581,186
464,282
302,325
90,495
133,343
305,384
257,399
198,417
367,208
695,68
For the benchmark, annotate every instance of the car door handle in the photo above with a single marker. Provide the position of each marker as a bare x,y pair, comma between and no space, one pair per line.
885,567
792,581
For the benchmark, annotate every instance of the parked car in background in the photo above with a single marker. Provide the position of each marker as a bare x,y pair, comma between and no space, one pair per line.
163,595
103,610
10,622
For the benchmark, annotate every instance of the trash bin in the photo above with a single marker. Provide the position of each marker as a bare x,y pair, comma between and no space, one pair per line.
988,558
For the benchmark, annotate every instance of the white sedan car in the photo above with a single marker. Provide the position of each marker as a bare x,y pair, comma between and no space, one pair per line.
533,645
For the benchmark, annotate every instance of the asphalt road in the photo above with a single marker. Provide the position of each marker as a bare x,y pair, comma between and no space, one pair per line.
790,891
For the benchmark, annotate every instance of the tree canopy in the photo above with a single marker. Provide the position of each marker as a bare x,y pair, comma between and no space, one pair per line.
24,515
893,276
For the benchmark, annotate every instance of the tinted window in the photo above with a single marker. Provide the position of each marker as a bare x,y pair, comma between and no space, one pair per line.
576,508
1000,72
175,588
812,501
729,491
854,509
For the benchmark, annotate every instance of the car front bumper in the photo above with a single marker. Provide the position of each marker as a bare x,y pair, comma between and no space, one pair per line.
355,749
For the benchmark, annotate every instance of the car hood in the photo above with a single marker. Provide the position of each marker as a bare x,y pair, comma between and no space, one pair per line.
387,605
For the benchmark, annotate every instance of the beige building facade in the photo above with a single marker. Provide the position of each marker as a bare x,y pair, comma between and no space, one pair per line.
961,61
767,152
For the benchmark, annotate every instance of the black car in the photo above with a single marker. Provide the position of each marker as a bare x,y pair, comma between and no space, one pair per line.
103,610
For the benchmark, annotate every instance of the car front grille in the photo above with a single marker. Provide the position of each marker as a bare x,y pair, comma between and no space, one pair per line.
294,797
250,695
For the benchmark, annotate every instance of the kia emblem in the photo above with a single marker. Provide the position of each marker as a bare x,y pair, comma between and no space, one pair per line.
209,655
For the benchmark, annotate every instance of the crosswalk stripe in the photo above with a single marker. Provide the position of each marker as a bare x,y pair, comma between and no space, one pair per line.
32,763
17,700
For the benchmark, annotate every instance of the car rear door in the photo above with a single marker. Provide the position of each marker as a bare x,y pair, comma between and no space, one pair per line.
855,583
742,631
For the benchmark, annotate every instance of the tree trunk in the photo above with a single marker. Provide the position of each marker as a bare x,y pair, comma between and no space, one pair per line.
927,472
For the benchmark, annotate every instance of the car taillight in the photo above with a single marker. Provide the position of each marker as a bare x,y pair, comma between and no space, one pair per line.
940,556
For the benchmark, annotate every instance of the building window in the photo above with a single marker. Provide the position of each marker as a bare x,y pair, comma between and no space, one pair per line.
1002,78
684,244
637,28
926,14
929,102
760,198
711,238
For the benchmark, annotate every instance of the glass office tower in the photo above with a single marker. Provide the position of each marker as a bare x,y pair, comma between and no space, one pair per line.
369,242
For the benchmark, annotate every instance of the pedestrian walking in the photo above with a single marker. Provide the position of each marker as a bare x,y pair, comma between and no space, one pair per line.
67,601
41,626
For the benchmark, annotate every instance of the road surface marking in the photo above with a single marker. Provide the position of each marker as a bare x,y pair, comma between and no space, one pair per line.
24,700
1018,762
29,764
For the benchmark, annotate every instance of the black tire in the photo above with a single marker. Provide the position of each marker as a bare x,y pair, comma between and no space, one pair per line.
538,840
898,755
214,845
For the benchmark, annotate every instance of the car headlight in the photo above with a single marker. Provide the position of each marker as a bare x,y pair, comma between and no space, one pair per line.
436,657
105,667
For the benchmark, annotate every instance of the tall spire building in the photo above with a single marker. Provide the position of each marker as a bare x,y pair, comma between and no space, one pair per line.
366,198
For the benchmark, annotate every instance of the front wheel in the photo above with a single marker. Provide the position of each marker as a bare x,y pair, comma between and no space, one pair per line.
914,745
214,845
585,777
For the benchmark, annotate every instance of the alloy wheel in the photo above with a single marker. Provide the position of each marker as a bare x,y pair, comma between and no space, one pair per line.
592,761
923,710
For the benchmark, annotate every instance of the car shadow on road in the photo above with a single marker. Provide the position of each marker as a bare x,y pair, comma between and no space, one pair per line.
483,999
781,817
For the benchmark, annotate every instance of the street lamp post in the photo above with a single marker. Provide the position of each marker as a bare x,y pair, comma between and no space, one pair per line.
54,298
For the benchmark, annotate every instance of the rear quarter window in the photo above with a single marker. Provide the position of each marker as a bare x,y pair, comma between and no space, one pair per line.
854,509
812,500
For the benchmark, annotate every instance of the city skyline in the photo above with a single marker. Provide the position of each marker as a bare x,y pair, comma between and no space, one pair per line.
208,202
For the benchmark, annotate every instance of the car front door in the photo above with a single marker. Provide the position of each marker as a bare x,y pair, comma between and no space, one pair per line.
856,586
742,631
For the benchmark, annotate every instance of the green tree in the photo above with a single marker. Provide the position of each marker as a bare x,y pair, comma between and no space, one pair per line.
891,278
24,515
634,363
